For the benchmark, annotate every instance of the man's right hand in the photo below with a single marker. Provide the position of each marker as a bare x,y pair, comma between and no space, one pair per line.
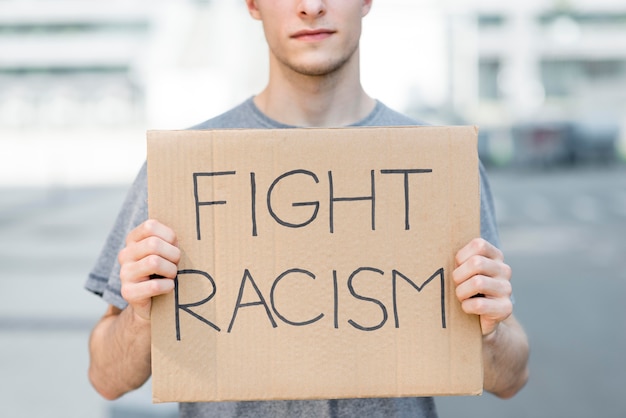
151,250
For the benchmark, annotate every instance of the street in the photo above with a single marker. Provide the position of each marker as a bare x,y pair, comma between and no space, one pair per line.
562,231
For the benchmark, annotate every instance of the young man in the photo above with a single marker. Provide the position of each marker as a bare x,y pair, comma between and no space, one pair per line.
314,81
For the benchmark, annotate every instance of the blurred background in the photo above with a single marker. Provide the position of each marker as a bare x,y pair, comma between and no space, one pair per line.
81,81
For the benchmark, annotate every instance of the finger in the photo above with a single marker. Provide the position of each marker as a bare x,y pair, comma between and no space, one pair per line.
152,265
151,228
478,246
491,310
487,287
142,292
479,265
151,245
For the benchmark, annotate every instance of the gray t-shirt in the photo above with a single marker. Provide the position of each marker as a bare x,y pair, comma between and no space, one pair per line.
104,280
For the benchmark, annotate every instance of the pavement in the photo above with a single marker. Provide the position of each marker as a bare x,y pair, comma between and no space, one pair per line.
562,232
49,239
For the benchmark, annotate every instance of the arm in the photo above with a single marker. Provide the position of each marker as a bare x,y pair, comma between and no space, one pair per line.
119,346
481,270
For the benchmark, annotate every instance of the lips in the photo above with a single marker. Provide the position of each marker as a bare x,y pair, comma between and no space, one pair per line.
312,34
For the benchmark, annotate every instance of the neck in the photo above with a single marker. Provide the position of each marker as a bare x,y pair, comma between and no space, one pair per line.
330,100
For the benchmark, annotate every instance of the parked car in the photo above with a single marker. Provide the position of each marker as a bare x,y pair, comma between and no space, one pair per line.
565,142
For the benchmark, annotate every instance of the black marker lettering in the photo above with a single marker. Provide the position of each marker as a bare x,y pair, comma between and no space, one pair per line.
210,203
439,273
360,297
253,200
247,276
336,296
406,189
272,299
186,307
314,204
334,199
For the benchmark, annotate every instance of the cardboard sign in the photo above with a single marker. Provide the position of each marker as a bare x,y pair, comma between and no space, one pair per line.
316,263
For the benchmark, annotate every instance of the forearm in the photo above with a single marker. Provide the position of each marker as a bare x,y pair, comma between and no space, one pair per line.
505,358
119,350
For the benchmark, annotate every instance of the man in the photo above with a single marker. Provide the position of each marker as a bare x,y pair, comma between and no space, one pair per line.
314,80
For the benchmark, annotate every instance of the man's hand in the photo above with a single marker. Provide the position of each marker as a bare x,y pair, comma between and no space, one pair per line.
483,284
119,346
150,251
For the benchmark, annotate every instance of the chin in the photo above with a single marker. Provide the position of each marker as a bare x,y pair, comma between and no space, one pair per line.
319,68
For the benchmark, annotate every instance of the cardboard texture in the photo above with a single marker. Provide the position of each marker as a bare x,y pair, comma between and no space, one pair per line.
316,263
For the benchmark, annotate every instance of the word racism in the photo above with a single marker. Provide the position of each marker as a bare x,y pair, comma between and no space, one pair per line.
248,280
314,205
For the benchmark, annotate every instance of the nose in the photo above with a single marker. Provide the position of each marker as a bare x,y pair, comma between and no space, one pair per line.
312,8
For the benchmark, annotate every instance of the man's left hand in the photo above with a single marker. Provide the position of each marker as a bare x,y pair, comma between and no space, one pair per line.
483,283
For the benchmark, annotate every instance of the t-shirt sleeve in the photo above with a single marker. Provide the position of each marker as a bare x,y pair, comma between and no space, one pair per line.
104,279
488,224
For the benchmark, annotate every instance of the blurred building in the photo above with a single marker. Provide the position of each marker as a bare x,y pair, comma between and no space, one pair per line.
81,80
68,88
71,63
551,79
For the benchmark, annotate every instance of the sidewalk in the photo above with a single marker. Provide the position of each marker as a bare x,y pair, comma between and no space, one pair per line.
49,238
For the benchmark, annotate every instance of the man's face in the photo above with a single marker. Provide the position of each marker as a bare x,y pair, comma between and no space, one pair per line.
311,37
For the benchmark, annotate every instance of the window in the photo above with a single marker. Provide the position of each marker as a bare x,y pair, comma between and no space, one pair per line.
488,72
562,78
